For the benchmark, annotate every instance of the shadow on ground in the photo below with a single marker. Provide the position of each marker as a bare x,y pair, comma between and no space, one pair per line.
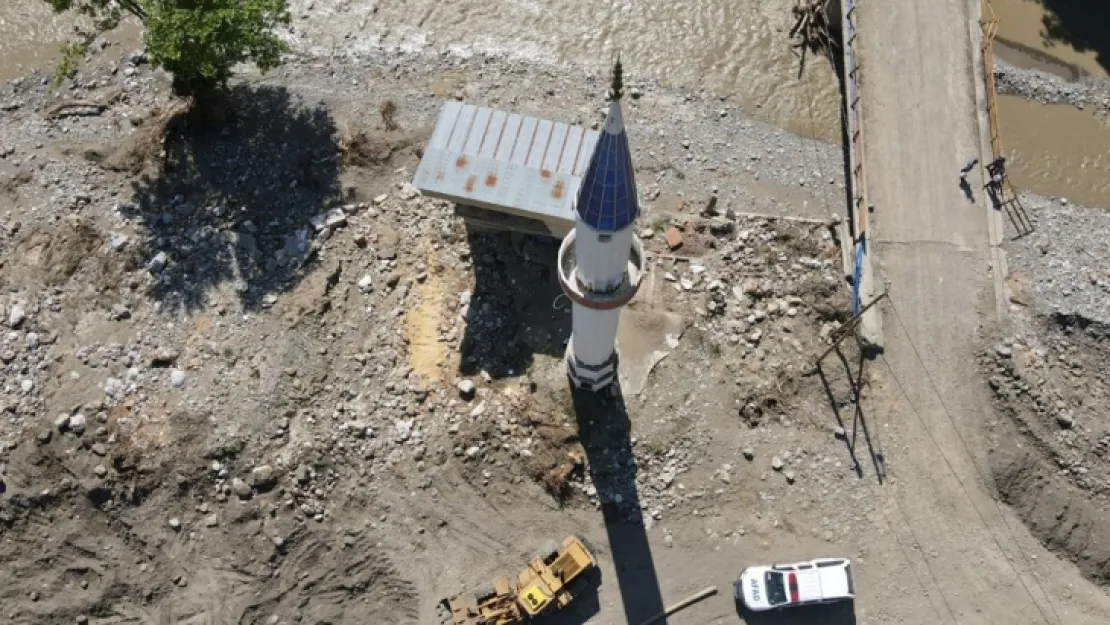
842,375
516,309
1081,24
232,203
584,607
605,432
842,613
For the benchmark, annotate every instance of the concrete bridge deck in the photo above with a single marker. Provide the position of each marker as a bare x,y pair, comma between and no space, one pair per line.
921,114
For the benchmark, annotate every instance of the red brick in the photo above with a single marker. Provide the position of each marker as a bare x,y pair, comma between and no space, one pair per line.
673,238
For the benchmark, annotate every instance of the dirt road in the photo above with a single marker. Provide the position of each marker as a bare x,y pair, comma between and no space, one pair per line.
976,561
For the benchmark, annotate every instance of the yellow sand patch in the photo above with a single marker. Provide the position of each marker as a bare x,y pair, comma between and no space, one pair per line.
428,356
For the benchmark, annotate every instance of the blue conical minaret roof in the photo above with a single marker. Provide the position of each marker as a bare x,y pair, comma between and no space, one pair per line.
607,200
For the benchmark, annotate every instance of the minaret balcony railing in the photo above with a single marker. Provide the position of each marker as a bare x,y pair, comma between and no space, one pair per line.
615,298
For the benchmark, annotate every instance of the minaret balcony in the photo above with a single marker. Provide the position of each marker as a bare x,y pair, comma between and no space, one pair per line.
579,293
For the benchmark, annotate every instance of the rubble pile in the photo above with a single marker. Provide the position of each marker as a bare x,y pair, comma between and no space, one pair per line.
1053,382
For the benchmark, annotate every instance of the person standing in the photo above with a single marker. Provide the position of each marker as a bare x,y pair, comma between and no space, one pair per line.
967,168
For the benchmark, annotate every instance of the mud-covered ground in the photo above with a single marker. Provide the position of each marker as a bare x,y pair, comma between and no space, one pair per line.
217,411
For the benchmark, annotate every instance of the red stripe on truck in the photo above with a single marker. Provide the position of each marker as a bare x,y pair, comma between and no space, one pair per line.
793,580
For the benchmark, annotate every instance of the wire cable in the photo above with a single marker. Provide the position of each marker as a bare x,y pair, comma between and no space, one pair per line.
983,481
924,560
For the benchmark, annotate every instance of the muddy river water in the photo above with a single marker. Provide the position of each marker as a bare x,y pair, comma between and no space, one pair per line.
733,47
29,36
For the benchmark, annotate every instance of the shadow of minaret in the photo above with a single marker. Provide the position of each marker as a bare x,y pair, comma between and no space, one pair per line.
606,435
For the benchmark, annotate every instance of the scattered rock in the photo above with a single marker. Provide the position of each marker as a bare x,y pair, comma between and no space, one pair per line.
334,218
263,478
158,263
16,316
177,378
120,312
302,474
408,192
776,463
466,389
77,424
240,488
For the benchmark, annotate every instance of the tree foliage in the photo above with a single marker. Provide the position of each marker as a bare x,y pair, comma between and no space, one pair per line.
197,41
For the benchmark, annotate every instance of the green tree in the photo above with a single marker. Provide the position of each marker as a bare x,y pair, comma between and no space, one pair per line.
197,41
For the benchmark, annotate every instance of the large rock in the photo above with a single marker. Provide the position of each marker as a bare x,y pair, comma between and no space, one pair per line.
240,488
77,424
263,478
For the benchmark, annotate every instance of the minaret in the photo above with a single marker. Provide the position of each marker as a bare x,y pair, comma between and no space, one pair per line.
601,260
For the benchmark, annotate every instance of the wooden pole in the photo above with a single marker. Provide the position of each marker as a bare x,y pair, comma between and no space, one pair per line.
685,603
843,331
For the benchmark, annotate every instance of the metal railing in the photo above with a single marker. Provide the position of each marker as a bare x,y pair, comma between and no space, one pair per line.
1008,199
989,24
854,114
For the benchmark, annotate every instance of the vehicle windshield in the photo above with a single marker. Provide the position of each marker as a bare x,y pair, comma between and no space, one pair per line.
775,588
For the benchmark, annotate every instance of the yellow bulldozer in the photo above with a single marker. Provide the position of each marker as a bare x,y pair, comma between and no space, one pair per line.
552,579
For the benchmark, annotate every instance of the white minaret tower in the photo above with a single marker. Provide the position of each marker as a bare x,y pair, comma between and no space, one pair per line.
601,260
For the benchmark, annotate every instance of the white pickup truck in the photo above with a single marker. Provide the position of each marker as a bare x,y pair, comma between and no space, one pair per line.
826,580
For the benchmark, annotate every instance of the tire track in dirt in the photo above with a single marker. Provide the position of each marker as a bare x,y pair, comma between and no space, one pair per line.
338,579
